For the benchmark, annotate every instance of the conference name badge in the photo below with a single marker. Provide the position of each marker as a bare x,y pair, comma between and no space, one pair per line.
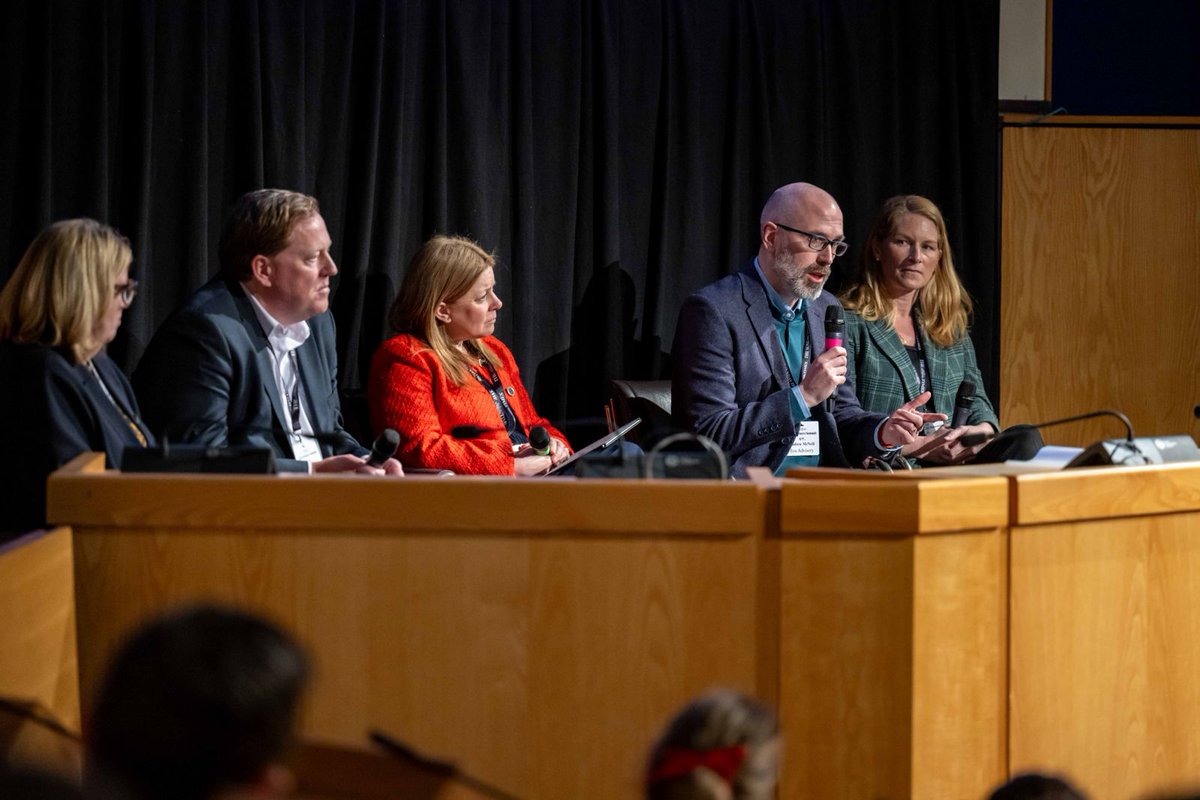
807,441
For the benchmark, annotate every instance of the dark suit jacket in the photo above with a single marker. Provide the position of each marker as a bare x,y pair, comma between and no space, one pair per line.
730,380
208,378
882,376
54,409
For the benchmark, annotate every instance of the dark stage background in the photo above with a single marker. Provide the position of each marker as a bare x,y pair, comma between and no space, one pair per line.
615,155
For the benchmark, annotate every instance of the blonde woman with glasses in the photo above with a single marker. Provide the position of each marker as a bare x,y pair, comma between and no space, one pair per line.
62,395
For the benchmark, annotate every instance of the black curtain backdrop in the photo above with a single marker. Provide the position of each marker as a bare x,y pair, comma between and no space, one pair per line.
615,155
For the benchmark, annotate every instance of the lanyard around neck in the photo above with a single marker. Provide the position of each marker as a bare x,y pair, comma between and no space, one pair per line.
497,391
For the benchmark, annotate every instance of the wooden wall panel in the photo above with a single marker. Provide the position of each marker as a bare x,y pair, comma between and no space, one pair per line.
1100,278
1105,650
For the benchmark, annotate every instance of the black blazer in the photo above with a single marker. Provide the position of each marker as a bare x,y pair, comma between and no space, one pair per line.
207,378
55,409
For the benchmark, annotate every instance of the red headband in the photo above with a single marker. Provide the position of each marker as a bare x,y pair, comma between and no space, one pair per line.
676,761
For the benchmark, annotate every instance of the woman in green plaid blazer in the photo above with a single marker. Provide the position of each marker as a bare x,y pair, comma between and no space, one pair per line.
906,326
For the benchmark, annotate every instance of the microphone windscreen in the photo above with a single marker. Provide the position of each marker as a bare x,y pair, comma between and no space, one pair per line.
835,323
539,440
962,404
1015,443
384,447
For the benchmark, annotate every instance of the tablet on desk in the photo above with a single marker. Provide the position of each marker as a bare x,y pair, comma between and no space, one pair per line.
601,443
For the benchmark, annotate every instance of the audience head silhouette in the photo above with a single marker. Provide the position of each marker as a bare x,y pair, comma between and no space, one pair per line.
721,746
198,704
1034,786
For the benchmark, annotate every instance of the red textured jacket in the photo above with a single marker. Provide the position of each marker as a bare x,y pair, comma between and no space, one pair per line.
410,391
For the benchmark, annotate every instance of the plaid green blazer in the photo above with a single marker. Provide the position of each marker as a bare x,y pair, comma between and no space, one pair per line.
881,374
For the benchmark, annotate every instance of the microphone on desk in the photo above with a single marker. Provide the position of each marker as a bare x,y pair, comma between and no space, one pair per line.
1130,451
385,447
445,769
835,334
972,439
962,404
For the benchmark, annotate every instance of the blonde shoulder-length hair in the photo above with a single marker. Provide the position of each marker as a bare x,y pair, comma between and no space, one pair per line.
63,287
442,271
943,304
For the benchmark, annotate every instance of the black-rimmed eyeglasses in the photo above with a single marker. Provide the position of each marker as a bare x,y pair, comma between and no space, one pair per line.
817,242
127,291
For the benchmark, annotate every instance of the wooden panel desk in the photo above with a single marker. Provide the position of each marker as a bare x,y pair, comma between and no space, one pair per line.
537,632
1105,627
39,718
892,668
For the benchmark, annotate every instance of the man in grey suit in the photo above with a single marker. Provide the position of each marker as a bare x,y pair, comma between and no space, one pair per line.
751,371
250,358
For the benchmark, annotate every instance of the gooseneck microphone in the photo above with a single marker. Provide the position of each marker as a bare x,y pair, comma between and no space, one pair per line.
962,404
384,447
539,440
835,334
972,439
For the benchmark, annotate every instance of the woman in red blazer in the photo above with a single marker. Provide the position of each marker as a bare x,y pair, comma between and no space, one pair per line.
445,370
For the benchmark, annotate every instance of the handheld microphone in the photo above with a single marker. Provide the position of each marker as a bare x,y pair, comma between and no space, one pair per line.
539,440
384,448
835,333
962,404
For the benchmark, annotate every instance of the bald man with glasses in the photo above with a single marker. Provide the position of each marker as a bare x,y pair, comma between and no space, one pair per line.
751,371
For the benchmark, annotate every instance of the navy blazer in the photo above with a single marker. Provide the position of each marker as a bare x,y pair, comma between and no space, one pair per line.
208,378
55,409
730,379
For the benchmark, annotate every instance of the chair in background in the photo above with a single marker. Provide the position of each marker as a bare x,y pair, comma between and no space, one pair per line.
650,400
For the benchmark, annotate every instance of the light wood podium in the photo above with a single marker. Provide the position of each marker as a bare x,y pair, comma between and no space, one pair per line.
538,633
1105,627
921,636
893,635
39,677
942,647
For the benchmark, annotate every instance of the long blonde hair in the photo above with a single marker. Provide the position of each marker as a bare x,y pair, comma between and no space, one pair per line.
944,305
442,271
63,286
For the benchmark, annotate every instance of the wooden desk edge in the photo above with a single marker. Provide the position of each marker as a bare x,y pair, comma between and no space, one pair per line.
1105,492
80,496
884,506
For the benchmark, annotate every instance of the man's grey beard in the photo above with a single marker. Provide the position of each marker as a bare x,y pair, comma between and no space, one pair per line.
807,292
795,277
